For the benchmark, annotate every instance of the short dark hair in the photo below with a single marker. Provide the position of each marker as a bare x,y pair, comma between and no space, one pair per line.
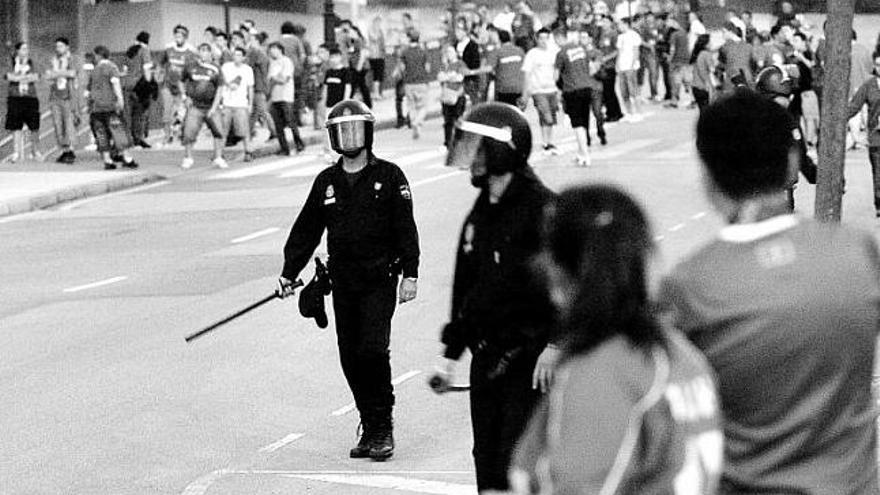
143,37
503,36
62,39
261,37
212,30
181,28
240,49
407,15
102,51
206,46
334,50
237,33
221,34
543,30
277,45
744,141
801,35
775,30
287,28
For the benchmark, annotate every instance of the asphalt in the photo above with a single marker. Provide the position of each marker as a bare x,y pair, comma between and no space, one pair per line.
27,186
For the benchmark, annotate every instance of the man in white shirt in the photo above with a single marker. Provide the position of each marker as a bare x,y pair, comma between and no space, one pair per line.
539,70
281,97
628,43
237,98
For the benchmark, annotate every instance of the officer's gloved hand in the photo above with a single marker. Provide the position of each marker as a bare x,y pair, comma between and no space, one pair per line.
284,288
442,377
408,290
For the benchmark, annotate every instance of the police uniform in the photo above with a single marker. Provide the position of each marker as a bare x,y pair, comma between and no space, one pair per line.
371,240
500,311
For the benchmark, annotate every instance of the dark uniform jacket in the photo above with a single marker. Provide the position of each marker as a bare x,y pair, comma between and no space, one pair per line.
497,301
371,231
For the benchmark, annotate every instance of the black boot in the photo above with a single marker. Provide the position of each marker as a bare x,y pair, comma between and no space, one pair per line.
367,434
382,446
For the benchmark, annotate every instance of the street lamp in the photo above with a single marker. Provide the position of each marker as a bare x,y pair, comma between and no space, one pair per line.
226,21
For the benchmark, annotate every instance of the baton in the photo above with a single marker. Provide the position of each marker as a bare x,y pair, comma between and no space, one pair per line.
439,387
235,315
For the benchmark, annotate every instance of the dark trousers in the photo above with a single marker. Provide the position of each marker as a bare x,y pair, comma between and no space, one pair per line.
612,104
596,109
509,98
299,101
363,333
648,67
359,83
701,97
666,72
136,114
399,95
472,89
451,113
282,115
500,409
874,158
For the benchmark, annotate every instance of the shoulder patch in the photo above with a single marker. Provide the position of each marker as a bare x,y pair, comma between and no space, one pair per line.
329,192
405,192
796,134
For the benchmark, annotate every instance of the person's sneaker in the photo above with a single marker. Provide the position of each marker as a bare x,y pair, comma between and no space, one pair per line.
187,163
362,449
553,150
877,213
583,160
62,158
248,157
130,164
219,162
603,140
71,158
109,166
143,144
300,147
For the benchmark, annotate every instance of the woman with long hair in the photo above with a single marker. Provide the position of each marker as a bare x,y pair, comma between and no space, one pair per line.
704,60
633,408
22,105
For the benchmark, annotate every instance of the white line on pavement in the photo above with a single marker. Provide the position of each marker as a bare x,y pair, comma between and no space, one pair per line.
419,157
392,483
201,485
659,238
93,285
305,171
342,411
400,472
272,447
437,178
676,228
80,202
266,167
699,215
623,148
259,233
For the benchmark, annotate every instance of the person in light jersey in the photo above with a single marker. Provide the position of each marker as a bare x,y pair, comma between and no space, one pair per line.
539,70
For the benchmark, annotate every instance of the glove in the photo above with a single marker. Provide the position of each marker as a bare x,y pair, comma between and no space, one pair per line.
284,288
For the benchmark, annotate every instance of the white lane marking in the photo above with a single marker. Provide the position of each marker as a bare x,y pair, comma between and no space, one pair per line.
659,238
259,233
406,376
308,472
682,151
437,178
80,202
623,148
306,171
342,411
272,447
392,483
201,485
676,228
93,285
419,157
266,167
699,215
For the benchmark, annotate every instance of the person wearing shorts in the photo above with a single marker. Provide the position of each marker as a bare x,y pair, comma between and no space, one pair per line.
415,78
539,68
22,105
174,59
628,43
573,66
63,101
237,96
507,77
201,82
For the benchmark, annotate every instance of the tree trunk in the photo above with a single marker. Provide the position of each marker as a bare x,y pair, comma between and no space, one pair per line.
832,136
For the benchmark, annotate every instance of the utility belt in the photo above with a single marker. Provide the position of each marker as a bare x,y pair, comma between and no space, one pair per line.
360,272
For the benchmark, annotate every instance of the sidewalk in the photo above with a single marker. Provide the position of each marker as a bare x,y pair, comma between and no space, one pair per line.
29,186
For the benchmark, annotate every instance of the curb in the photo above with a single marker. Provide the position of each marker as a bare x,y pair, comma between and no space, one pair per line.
52,198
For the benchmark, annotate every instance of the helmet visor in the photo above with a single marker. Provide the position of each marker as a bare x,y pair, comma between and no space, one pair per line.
467,142
347,133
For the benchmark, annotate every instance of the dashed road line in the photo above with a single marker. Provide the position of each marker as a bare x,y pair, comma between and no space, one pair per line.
658,238
390,482
676,228
699,215
255,235
272,447
437,178
266,167
624,148
94,285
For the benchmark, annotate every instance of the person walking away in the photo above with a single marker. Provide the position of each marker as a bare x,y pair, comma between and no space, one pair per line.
337,86
539,70
357,61
649,30
173,60
628,43
500,310
452,97
868,95
507,77
365,205
416,75
318,66
63,77
258,61
140,88
376,49
525,26
596,61
299,104
861,69
469,53
294,49
607,42
679,64
705,61
622,375
201,84
663,50
106,102
766,290
236,98
736,58
573,68
22,105
281,95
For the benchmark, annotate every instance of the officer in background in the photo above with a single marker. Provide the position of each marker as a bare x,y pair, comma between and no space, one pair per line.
365,204
500,310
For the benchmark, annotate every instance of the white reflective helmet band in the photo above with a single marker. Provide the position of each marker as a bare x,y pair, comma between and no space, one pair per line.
350,118
498,134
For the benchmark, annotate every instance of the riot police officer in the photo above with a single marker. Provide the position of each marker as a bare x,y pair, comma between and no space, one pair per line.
365,204
500,311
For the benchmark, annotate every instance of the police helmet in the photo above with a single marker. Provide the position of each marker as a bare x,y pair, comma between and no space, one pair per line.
492,139
773,82
350,127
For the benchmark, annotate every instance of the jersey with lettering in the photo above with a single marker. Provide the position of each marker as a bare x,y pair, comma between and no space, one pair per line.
174,61
202,80
621,419
507,64
574,67
786,312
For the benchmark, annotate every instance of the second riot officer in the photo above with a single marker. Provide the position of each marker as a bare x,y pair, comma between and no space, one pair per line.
500,311
365,205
